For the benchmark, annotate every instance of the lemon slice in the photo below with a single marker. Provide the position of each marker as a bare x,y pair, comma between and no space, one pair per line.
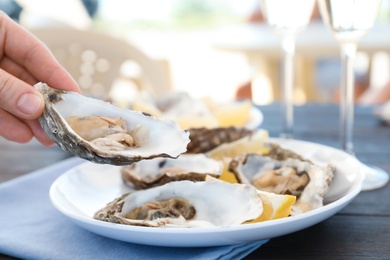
275,206
231,114
227,175
250,144
253,143
186,122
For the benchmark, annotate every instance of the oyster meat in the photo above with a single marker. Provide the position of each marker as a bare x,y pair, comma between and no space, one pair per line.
291,175
100,132
185,204
155,172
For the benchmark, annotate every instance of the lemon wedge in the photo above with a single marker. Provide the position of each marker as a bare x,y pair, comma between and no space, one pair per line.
253,143
250,144
275,206
231,114
186,122
227,175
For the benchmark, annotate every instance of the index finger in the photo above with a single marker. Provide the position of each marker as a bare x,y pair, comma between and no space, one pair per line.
26,50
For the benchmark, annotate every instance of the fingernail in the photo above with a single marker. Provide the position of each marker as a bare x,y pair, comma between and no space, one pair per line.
30,103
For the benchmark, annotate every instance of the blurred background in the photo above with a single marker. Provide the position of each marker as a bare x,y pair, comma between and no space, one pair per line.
188,38
220,50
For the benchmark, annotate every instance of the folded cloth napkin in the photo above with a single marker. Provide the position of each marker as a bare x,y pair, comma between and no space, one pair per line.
31,228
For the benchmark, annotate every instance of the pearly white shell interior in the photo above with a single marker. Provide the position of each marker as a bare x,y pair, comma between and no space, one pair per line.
156,136
197,163
217,203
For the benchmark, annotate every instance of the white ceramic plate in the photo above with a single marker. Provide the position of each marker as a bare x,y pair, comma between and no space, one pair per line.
383,112
84,189
255,118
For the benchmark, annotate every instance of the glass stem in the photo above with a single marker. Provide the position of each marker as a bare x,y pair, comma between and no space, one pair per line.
288,45
348,53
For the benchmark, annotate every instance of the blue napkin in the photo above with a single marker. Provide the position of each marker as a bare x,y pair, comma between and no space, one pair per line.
30,227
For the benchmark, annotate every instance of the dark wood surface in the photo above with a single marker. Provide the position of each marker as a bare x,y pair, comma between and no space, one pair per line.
362,229
359,231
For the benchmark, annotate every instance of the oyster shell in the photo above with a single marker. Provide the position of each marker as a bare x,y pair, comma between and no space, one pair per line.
291,175
185,204
111,135
158,171
206,139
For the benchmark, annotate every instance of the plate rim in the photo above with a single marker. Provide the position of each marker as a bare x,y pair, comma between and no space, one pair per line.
256,118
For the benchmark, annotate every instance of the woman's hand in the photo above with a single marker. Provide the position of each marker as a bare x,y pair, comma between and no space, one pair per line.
24,61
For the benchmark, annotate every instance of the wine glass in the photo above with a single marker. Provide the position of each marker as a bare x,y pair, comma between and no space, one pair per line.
349,21
287,18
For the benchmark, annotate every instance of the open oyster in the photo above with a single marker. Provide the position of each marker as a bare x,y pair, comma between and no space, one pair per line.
150,173
185,204
289,175
205,139
100,132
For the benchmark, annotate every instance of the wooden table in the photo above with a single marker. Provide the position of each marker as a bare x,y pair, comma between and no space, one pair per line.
360,231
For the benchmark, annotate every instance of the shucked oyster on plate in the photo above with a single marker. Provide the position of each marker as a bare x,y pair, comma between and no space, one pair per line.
205,139
100,132
155,172
186,204
284,172
207,152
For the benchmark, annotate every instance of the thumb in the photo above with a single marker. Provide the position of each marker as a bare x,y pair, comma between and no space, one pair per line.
20,98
